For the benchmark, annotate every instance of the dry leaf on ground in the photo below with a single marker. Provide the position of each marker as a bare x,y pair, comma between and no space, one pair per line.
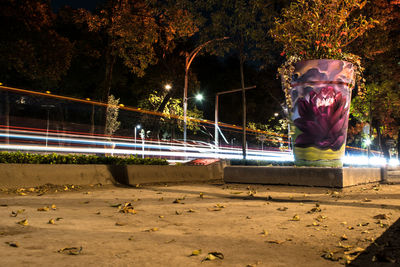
71,251
381,216
127,208
196,252
213,256
12,244
282,208
295,218
43,209
23,222
15,213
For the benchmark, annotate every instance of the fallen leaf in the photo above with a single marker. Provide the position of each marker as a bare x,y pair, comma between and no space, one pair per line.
161,199
367,200
354,251
214,209
328,255
12,244
127,208
178,212
196,252
343,237
71,251
191,211
59,218
86,202
201,195
130,238
363,224
295,218
275,241
213,255
347,247
315,209
43,209
176,201
365,232
120,223
115,205
15,213
350,227
264,233
51,221
381,217
170,241
282,208
320,218
23,222
154,229
53,207
219,206
236,193
160,216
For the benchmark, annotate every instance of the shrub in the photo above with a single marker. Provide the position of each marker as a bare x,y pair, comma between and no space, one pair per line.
19,157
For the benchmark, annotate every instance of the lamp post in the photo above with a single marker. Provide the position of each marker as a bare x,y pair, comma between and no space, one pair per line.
137,127
188,61
216,117
48,107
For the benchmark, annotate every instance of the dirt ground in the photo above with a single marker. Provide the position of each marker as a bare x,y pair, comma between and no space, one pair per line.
221,224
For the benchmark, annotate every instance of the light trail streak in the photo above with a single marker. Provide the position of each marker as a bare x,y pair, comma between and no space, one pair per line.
150,148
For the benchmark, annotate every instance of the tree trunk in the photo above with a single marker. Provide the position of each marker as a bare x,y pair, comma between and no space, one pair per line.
110,62
398,144
241,60
92,121
7,117
382,143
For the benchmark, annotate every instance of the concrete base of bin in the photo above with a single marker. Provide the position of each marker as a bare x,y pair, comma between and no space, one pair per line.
304,176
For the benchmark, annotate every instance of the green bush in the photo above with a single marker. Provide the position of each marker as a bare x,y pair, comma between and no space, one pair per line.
18,157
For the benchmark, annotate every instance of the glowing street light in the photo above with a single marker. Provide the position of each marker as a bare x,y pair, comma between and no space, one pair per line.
168,87
199,97
137,127
367,142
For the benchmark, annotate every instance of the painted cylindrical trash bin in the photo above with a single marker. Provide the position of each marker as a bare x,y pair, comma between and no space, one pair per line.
321,94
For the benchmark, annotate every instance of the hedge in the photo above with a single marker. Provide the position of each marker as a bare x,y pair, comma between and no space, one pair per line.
18,157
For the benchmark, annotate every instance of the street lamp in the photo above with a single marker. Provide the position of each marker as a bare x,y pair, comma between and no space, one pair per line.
167,87
188,60
137,127
48,107
216,117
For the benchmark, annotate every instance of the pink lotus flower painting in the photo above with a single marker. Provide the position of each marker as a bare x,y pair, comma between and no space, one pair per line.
323,120
320,92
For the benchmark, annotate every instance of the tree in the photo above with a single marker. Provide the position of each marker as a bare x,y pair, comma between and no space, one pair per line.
171,110
381,50
243,22
135,31
32,53
380,106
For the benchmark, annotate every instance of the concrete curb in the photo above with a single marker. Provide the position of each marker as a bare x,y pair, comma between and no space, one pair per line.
31,175
303,176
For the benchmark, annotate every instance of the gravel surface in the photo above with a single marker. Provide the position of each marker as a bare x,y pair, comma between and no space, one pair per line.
220,224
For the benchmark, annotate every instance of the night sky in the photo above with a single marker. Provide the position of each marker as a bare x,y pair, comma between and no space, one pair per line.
87,4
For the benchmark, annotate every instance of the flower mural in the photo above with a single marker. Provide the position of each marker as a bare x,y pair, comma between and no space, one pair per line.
323,119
